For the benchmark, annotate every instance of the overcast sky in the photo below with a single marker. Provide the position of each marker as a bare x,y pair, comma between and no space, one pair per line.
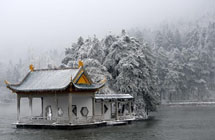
45,24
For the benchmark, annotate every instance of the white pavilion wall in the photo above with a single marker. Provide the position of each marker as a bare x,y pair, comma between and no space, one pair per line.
79,99
62,103
107,115
82,100
49,101
98,110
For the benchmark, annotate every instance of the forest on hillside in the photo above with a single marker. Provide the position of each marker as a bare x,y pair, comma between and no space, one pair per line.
169,64
185,59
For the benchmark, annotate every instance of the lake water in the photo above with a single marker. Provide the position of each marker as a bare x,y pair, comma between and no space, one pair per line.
169,123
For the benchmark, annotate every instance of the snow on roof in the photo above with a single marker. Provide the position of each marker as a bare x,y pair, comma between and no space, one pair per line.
89,87
113,96
55,79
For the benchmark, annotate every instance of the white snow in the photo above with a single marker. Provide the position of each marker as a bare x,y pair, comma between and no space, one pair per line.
47,79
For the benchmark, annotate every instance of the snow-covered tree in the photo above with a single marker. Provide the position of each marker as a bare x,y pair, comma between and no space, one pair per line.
127,64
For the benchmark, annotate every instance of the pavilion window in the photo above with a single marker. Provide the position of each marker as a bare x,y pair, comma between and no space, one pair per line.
105,108
74,110
84,111
60,112
123,108
120,110
48,113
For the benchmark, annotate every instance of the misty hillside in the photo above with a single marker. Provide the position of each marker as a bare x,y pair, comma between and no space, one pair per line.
185,59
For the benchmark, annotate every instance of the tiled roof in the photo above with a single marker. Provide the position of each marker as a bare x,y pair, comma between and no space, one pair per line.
44,80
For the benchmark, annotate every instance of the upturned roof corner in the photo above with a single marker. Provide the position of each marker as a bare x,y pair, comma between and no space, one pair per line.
31,67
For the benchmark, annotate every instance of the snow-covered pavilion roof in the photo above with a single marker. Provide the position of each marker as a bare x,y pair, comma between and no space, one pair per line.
51,80
113,96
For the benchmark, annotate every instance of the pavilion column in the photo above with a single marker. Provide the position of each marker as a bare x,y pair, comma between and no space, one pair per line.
111,109
93,108
129,110
30,106
123,109
42,104
56,103
116,104
18,107
70,108
102,109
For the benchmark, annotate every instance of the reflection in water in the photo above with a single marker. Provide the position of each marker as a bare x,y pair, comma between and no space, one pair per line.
150,122
169,123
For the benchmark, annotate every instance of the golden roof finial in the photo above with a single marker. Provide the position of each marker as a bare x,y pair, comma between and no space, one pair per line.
103,81
31,67
80,64
6,82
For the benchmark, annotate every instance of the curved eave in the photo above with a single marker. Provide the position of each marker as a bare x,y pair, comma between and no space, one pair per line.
93,87
14,89
10,86
89,87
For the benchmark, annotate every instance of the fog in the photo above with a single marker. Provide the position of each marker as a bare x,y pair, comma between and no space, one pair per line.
43,25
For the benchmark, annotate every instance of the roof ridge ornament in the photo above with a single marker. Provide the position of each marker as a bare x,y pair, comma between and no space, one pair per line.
103,81
80,64
31,67
6,82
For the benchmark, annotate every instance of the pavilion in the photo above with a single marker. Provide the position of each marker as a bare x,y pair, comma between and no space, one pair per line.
68,99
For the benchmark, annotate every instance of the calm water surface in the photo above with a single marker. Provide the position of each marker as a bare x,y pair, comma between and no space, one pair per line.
169,123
